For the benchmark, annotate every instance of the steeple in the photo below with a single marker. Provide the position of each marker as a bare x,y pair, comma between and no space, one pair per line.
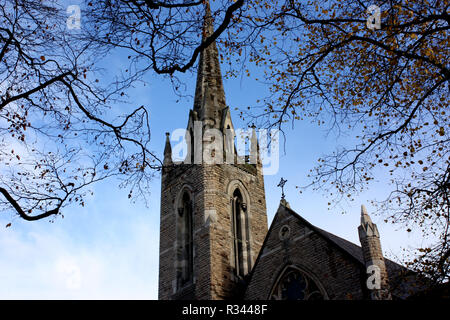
209,100
377,282
213,217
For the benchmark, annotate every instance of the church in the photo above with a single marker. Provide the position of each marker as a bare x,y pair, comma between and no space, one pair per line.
215,242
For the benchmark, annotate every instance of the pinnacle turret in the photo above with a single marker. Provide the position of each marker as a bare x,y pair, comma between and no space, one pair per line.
209,100
377,282
167,151
367,228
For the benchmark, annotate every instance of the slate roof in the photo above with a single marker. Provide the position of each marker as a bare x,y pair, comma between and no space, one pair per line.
356,251
352,249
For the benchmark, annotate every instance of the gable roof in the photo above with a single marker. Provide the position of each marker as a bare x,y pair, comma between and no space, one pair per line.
396,272
355,251
350,248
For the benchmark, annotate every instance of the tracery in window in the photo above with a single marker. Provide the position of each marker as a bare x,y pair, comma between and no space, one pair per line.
242,261
295,285
185,250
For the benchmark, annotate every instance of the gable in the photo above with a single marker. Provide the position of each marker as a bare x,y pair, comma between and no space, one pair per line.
294,242
226,122
333,258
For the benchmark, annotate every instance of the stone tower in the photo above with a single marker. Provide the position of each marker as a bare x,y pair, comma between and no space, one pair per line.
213,213
377,282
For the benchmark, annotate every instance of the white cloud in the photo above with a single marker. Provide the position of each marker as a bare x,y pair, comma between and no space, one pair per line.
100,254
71,273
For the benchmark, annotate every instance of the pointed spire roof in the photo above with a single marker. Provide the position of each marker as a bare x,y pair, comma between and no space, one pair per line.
367,227
167,151
254,148
209,100
365,218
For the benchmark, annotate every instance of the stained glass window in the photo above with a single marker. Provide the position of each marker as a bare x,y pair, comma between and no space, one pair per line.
240,235
185,255
295,285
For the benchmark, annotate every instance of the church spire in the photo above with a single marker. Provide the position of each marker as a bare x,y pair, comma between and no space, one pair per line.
209,100
377,282
367,223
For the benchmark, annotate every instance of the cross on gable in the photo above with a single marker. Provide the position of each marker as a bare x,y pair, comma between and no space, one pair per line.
281,184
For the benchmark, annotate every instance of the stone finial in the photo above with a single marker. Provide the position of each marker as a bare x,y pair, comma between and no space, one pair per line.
254,147
365,218
167,151
284,203
368,228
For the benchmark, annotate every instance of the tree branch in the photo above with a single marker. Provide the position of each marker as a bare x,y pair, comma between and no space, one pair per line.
25,216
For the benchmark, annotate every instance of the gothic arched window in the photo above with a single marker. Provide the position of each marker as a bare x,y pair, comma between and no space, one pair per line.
240,230
296,285
185,250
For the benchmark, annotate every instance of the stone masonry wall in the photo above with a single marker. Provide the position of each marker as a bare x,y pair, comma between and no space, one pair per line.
217,180
373,255
339,274
173,180
213,272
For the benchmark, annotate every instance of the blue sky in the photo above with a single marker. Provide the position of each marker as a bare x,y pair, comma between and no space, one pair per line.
109,248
